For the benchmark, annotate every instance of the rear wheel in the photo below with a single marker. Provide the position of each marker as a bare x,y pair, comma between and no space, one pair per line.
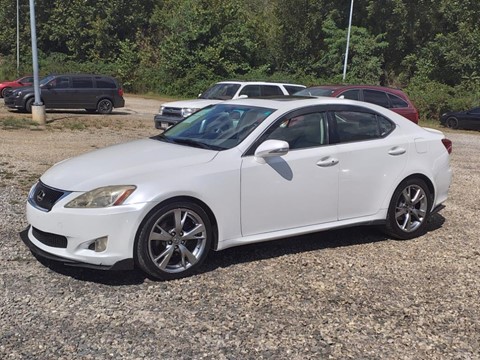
452,123
104,106
174,241
409,209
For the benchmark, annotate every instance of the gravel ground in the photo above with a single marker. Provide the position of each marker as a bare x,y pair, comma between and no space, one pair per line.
346,294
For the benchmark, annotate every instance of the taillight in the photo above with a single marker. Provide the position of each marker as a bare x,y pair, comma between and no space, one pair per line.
120,92
448,144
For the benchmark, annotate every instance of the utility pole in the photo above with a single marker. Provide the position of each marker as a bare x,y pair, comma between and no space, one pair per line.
348,42
38,109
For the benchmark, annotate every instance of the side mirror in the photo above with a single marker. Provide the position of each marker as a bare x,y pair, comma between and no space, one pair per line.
271,148
243,96
341,97
199,95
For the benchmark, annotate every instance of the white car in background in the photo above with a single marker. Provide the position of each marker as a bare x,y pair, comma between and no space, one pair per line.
172,113
239,172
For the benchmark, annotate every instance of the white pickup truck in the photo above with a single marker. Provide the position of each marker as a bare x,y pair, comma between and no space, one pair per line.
172,113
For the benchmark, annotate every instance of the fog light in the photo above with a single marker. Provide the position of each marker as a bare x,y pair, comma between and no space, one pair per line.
101,244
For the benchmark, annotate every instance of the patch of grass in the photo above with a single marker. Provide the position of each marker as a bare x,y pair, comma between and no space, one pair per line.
16,123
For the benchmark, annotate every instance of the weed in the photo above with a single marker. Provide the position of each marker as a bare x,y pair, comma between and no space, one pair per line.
16,123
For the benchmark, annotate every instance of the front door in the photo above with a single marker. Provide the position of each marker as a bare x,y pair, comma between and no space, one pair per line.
294,190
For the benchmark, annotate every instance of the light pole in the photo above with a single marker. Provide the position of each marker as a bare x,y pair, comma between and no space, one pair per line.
38,109
18,41
348,42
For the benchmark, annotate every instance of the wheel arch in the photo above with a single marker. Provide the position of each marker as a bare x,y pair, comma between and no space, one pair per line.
426,180
205,207
105,97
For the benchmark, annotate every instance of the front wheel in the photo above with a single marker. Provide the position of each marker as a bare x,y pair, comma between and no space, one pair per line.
5,91
28,105
174,241
409,209
104,106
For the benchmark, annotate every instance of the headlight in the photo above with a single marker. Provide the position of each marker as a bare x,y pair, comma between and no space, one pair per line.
102,197
160,112
189,111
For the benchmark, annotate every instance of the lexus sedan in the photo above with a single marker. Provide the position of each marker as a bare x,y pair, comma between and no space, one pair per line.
239,172
468,119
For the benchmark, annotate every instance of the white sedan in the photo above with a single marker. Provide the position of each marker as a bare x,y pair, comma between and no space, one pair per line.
235,173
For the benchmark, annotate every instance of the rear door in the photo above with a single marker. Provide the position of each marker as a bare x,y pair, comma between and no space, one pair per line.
84,95
371,157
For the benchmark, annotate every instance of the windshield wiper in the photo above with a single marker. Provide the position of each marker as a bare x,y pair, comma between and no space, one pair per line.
195,143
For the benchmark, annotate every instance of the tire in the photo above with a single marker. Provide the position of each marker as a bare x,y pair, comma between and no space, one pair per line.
104,106
5,90
168,247
452,123
28,105
409,209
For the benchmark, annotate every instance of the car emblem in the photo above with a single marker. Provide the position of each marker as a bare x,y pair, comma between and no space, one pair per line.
40,196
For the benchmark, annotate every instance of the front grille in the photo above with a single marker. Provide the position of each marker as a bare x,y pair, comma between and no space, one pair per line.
49,239
173,112
44,197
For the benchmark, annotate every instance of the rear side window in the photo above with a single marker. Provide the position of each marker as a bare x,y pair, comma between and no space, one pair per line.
83,82
351,126
397,102
293,89
105,83
376,97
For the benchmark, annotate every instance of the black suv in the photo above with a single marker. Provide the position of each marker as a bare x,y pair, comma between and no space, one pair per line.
94,93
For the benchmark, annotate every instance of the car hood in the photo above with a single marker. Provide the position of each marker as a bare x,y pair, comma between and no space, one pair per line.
194,103
124,164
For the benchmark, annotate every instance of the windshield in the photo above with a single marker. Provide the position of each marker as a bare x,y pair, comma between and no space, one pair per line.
217,127
315,92
46,79
220,92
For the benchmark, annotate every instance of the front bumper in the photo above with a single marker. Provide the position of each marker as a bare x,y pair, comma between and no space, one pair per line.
69,235
13,102
163,122
126,264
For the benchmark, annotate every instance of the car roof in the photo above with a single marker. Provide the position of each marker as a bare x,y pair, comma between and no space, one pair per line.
241,82
395,91
284,103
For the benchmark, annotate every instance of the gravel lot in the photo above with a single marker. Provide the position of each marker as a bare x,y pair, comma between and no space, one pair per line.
343,294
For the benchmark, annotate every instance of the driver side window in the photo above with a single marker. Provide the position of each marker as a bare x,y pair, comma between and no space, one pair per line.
302,131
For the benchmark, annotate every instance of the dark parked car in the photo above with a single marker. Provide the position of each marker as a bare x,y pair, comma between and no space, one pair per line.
390,98
462,119
94,93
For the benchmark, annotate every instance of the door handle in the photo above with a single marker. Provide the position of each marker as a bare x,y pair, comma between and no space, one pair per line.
326,162
397,151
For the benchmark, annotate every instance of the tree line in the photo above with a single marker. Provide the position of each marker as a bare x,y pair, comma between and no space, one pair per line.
430,48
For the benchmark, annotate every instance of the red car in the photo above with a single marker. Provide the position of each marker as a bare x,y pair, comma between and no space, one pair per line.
390,98
7,85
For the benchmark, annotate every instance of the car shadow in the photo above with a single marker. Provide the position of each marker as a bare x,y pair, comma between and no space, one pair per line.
244,254
75,113
318,241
